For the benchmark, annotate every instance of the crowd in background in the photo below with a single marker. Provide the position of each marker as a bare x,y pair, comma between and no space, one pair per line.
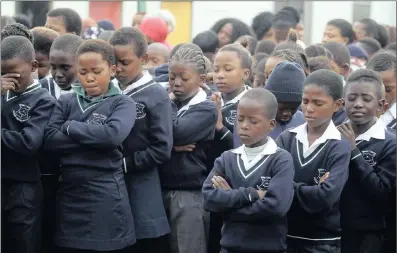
244,140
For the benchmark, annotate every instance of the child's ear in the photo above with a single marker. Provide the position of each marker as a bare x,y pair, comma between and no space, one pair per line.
203,79
338,104
112,70
382,107
246,75
35,65
272,124
144,59
345,70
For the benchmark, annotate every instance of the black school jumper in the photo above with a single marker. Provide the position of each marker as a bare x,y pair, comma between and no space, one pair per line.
366,197
223,141
314,217
183,176
250,224
147,146
49,167
93,211
24,117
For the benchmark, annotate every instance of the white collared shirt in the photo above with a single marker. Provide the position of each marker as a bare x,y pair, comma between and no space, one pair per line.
143,80
59,91
268,149
389,115
236,98
201,96
331,133
377,131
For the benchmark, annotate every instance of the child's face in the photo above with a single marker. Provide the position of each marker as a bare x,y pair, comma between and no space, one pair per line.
43,62
361,102
229,75
225,34
94,73
389,80
286,111
252,123
128,64
155,59
63,68
332,33
317,106
259,80
21,67
271,64
184,81
57,24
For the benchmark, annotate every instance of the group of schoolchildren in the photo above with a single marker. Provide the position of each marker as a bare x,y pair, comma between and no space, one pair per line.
99,157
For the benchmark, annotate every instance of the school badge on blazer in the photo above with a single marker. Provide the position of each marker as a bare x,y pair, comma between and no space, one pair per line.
140,111
368,156
232,117
265,183
321,173
97,119
22,114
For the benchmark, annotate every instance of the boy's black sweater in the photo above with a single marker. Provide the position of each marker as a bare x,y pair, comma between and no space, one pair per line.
372,175
24,118
251,224
88,134
314,213
187,170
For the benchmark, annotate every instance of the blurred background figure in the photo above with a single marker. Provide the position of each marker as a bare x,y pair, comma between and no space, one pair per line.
137,19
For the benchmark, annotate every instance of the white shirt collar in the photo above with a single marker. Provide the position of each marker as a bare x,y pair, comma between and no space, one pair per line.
377,131
201,96
269,149
143,80
236,98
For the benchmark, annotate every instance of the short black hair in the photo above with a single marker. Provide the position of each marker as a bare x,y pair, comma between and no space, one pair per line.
17,47
16,29
262,23
318,62
292,56
368,76
315,50
283,21
383,62
261,65
242,54
23,19
105,35
264,97
329,81
130,36
207,41
68,43
392,47
369,45
43,39
100,47
339,51
265,46
239,28
374,30
71,18
345,28
290,43
251,43
260,56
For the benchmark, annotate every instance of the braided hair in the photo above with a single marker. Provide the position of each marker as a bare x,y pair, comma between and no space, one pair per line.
16,29
292,56
188,54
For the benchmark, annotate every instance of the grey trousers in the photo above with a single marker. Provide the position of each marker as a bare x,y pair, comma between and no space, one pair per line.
188,221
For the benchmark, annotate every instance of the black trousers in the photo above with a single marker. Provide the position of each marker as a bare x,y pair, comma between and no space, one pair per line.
155,245
70,250
21,206
362,242
49,183
215,236
303,246
227,251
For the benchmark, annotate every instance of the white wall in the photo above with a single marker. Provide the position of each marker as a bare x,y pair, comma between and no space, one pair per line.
81,7
384,12
206,13
322,12
7,8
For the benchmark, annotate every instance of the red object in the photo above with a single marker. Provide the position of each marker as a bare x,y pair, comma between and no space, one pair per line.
111,11
154,28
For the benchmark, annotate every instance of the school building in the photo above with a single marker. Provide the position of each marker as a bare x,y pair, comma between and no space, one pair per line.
196,16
